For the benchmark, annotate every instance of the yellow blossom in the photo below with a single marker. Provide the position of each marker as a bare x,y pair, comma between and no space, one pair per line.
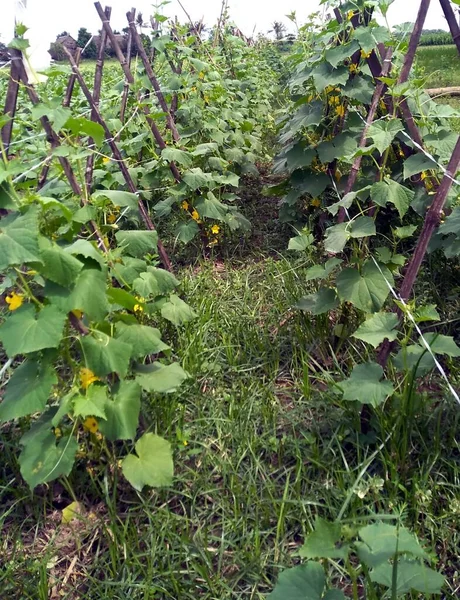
87,377
423,176
90,424
213,242
138,308
201,75
185,443
185,205
334,100
206,99
14,301
316,202
195,215
340,110
77,313
365,54
106,160
111,218
57,432
215,229
350,14
353,68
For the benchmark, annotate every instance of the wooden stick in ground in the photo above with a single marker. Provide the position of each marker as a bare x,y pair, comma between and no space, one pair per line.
378,93
124,100
129,76
151,75
451,21
432,220
414,41
119,158
97,98
11,102
55,142
70,86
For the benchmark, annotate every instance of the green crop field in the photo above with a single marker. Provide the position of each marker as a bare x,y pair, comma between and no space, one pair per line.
229,342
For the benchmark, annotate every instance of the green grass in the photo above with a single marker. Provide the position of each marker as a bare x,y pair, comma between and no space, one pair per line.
441,64
261,448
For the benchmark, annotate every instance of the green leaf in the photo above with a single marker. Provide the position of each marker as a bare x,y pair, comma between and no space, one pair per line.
86,249
410,575
336,238
369,37
105,355
118,198
324,75
58,115
195,178
122,298
384,132
155,282
364,385
82,126
301,242
340,146
324,541
451,224
185,232
122,413
392,191
59,266
27,330
416,164
27,391
383,542
405,232
19,239
211,208
442,344
426,313
177,311
88,295
324,300
85,214
362,227
377,328
413,356
43,460
299,156
144,340
138,243
160,378
92,403
180,157
322,271
305,582
367,290
338,54
153,465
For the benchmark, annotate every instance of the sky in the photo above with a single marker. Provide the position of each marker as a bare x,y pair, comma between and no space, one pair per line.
55,16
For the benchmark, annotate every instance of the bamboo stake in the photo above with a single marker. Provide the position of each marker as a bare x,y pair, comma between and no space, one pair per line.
119,158
11,102
55,142
452,22
414,40
129,76
96,97
124,100
70,86
151,75
432,220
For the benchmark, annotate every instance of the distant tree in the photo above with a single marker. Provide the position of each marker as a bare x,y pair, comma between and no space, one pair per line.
63,34
278,29
84,37
57,51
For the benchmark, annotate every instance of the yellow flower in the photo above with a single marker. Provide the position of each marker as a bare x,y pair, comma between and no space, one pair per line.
77,313
87,377
350,14
195,215
422,177
138,308
185,205
201,75
106,160
90,424
365,54
340,110
213,242
353,68
215,229
206,99
334,100
111,218
57,432
185,443
14,301
316,202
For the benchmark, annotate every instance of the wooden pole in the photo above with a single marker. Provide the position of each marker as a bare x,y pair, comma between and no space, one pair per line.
119,158
452,22
11,102
414,41
70,86
124,100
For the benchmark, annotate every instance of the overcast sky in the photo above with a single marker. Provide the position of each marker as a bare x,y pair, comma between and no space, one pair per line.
55,16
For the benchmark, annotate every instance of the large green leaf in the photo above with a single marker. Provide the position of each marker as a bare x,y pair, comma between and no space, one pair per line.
153,465
384,132
442,344
324,75
82,126
138,243
144,340
305,582
185,159
377,328
211,208
59,266
105,355
412,357
324,300
410,575
336,238
367,290
122,413
324,542
392,191
301,242
177,311
92,403
369,37
364,385
155,282
43,460
416,164
339,53
161,378
323,271
382,542
119,198
27,391
19,239
27,330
